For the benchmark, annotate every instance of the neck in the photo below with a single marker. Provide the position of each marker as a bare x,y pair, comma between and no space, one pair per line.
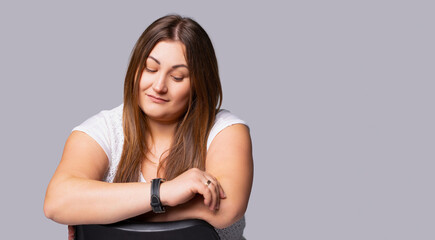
161,133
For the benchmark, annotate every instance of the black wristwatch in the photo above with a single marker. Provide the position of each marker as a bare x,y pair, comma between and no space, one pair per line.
155,202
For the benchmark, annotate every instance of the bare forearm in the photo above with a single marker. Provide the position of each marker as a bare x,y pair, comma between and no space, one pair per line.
195,209
83,201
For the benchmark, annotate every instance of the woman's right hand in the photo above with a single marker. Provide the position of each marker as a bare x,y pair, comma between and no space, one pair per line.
184,187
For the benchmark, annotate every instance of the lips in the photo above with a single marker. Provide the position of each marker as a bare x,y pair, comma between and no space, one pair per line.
157,99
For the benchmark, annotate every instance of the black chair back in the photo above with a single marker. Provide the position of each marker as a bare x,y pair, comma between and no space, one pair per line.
191,229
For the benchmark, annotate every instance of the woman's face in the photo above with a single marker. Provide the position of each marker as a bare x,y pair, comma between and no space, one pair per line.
164,86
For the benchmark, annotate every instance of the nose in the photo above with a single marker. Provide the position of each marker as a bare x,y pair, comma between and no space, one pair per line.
159,84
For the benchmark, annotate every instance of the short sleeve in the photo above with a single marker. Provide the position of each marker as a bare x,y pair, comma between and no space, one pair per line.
224,119
97,128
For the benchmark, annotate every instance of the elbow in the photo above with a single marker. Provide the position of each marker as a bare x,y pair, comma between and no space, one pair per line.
49,210
57,203
48,213
227,218
53,210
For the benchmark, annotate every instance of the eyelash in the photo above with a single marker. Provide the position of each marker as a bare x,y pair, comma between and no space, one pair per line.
149,70
178,79
175,78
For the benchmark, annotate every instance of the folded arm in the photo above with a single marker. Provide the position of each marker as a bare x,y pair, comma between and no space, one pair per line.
229,160
76,194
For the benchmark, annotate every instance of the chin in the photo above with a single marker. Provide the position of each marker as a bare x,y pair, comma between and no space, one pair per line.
162,114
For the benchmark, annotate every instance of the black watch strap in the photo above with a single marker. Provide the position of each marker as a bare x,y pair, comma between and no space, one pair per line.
156,204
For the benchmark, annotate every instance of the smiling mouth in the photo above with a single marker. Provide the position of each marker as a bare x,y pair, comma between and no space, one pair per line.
157,99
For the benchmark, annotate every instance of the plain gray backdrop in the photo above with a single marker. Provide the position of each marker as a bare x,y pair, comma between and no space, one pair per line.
339,96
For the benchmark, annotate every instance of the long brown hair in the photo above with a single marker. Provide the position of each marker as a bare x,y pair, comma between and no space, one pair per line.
189,146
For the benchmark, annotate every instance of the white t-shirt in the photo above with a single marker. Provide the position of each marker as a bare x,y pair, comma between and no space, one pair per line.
106,129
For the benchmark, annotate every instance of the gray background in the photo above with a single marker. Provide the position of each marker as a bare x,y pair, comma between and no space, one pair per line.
339,96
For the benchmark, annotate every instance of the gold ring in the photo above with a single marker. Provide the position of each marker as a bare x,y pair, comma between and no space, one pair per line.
208,182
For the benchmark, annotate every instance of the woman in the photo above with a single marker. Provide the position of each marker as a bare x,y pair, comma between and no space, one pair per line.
170,127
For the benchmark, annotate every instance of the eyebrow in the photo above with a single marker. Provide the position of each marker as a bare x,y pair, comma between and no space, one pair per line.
173,67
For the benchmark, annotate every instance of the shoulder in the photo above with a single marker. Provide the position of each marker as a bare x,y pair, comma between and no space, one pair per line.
102,120
112,114
103,126
225,116
224,119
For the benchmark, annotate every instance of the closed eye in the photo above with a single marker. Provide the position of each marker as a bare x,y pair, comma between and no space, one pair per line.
178,78
150,70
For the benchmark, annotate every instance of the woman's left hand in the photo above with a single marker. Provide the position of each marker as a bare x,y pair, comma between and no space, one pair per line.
185,186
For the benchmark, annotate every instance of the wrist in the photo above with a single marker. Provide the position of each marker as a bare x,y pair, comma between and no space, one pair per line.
163,194
155,201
